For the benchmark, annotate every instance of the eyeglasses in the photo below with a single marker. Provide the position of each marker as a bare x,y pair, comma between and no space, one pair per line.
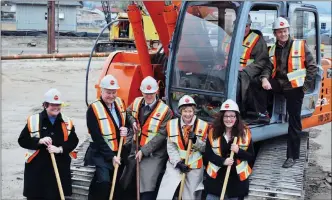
229,117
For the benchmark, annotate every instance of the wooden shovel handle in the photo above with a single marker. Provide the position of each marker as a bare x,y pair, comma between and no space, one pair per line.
116,167
184,174
137,163
58,180
227,174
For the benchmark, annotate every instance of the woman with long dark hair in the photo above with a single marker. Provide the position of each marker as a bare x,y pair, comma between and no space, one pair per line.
217,155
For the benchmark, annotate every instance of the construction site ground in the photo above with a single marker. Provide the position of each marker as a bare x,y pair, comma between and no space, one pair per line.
24,82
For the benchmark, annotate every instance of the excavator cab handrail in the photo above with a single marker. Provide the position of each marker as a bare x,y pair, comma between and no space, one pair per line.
93,49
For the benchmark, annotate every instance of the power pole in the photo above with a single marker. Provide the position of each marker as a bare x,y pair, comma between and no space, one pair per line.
58,27
50,27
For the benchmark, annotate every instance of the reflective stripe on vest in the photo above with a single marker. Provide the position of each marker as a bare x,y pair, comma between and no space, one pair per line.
136,105
67,126
153,122
296,68
247,47
226,45
173,130
242,167
34,129
273,59
106,125
211,168
122,110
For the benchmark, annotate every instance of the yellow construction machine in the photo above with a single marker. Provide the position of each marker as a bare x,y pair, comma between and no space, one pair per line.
121,36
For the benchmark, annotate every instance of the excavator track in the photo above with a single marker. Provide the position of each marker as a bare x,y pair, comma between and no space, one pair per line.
269,180
81,175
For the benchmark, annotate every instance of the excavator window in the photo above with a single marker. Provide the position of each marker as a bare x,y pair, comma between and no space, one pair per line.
262,17
262,20
304,27
201,57
123,29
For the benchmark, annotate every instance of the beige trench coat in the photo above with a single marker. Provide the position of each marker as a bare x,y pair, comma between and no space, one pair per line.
172,178
194,179
154,154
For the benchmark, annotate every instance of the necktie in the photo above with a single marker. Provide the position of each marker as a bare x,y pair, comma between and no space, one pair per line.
145,111
186,131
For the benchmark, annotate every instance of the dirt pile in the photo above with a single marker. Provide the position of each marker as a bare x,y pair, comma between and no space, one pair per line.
318,174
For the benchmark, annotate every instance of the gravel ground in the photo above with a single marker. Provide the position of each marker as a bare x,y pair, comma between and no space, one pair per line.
23,86
19,44
318,176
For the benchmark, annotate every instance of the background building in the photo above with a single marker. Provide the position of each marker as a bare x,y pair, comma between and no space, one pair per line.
32,15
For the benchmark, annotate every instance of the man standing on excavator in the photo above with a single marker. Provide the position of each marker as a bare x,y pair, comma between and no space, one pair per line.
254,64
150,115
294,71
107,122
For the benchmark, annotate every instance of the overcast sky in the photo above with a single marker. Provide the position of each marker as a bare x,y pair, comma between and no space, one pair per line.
324,7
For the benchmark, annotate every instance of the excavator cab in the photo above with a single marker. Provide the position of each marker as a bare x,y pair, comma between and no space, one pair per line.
198,63
206,46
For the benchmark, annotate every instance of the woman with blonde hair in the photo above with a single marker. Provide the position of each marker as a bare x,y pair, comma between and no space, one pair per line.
180,131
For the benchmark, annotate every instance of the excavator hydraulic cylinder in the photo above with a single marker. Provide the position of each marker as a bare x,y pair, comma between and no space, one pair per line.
135,18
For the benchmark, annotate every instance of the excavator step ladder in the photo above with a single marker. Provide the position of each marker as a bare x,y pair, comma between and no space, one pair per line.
269,180
81,175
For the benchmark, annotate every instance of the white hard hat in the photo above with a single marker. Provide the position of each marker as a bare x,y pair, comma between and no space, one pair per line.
53,96
149,85
280,22
230,105
109,82
186,100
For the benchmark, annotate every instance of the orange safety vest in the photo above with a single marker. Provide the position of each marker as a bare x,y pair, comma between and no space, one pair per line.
247,47
174,135
153,122
225,46
242,167
106,124
296,68
34,129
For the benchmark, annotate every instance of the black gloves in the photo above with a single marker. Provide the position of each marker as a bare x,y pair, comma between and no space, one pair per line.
183,167
192,136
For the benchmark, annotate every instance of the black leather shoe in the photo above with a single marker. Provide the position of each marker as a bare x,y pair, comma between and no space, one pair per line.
288,163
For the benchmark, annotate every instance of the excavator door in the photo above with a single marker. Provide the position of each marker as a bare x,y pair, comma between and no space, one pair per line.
304,24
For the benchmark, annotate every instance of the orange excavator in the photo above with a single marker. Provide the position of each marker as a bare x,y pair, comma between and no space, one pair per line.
192,36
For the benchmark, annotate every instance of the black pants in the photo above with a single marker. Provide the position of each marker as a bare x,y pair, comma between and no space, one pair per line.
294,100
100,186
148,196
242,92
